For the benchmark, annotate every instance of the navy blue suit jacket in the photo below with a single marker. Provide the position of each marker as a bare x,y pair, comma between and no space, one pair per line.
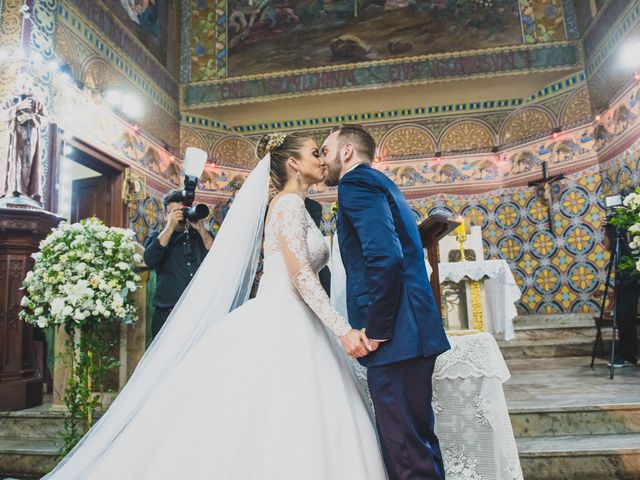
388,291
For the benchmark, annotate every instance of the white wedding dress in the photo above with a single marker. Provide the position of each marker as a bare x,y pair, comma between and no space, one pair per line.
265,393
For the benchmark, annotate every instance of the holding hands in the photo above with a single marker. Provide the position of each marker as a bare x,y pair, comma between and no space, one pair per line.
357,344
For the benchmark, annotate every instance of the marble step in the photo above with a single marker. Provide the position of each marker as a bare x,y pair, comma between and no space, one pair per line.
27,457
575,420
563,320
556,333
32,423
546,348
584,457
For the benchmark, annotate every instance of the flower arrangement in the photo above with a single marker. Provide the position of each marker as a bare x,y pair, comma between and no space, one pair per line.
80,282
627,217
82,273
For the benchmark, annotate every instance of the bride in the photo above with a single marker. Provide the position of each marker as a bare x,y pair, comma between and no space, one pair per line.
234,389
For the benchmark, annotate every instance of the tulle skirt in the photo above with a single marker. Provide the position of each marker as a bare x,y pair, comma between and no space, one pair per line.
264,394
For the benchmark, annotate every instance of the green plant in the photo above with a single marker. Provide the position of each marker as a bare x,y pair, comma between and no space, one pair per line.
80,282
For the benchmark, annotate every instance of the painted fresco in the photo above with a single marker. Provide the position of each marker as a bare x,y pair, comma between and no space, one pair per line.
148,20
542,21
277,35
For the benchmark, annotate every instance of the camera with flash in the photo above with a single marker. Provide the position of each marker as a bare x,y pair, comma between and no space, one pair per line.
194,162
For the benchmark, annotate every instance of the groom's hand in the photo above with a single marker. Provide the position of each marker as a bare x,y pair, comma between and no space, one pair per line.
372,345
353,343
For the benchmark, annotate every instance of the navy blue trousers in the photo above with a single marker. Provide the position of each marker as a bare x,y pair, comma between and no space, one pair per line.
401,394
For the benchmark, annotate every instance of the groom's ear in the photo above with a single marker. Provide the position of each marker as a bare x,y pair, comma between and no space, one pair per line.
347,152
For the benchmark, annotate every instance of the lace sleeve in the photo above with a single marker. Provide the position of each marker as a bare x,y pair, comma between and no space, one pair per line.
291,223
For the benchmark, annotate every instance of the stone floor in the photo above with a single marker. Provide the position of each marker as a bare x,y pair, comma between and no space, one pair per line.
570,422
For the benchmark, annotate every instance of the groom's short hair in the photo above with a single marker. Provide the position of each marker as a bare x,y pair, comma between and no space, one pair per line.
362,140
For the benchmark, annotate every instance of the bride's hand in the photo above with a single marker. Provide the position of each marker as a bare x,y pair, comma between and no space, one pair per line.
353,343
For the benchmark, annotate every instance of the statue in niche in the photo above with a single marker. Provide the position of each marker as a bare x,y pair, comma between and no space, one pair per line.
23,116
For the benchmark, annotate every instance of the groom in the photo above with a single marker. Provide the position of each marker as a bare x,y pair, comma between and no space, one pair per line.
388,295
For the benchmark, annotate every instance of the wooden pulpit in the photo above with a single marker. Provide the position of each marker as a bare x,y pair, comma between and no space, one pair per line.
432,229
21,230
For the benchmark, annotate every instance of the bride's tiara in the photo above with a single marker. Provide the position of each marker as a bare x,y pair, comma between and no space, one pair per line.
275,141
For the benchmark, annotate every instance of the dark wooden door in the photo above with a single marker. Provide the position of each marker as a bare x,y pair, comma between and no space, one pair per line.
92,197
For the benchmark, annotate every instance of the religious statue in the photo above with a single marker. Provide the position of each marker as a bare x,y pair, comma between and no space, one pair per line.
24,115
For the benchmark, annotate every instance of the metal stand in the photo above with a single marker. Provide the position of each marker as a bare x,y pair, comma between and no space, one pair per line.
614,260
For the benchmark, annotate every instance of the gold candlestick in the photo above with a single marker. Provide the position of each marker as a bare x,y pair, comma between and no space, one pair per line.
461,235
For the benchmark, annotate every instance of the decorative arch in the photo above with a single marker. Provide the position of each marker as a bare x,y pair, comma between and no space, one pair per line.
99,75
407,140
66,51
466,135
526,123
191,138
577,107
235,151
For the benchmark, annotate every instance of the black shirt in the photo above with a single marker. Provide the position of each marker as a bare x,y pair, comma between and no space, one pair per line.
175,264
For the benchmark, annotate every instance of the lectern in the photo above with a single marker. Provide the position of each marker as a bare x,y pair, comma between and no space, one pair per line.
432,229
21,230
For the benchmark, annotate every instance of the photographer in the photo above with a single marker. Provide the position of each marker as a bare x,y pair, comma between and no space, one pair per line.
626,306
175,254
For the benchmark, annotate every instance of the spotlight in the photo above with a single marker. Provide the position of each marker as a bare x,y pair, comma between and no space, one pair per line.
629,54
114,97
52,66
637,77
598,117
67,150
128,104
131,105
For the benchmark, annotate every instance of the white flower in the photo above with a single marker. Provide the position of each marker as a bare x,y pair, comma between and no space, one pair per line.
137,258
117,301
76,292
25,301
122,265
42,322
57,306
108,244
67,310
131,286
635,228
101,235
632,201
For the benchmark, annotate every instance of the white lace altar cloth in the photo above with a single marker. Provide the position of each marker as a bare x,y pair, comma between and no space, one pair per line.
500,288
472,420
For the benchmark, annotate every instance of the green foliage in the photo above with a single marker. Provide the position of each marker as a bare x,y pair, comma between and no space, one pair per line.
89,361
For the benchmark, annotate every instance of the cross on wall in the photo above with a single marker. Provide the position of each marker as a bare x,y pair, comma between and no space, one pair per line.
543,191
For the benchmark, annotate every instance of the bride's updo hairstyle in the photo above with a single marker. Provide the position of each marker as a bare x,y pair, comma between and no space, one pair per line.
281,147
